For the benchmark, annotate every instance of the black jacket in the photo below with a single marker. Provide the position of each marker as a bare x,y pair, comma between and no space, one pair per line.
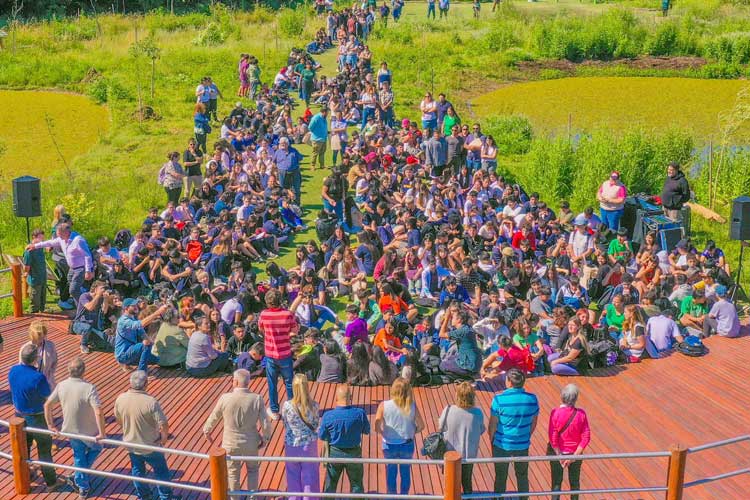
676,192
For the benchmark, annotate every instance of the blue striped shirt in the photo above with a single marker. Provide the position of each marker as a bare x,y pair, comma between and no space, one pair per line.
514,409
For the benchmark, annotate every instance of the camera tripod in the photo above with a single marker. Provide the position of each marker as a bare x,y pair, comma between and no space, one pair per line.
738,293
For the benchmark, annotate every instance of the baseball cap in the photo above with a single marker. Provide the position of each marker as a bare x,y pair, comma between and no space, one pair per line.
615,174
580,220
129,302
721,290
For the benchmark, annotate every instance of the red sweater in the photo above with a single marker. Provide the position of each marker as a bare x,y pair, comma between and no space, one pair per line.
577,434
515,242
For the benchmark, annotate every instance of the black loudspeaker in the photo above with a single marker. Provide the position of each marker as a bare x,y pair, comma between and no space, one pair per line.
739,225
27,197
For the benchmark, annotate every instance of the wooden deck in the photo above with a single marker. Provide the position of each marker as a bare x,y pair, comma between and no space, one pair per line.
641,407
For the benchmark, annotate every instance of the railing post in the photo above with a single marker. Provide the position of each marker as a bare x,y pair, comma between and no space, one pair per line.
452,475
17,288
676,477
217,459
20,454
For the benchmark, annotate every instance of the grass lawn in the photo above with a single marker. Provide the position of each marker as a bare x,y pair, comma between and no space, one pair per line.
615,103
75,123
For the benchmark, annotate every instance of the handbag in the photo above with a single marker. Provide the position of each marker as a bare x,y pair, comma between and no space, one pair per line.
550,449
434,445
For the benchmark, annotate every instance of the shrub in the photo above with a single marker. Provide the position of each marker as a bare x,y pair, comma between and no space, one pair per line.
731,48
104,90
291,22
726,71
221,26
74,30
549,168
664,41
513,134
500,37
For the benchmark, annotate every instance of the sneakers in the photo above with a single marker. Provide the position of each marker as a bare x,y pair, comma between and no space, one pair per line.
85,349
67,305
273,416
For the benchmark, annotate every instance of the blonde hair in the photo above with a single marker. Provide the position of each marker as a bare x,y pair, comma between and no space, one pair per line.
37,331
301,399
57,214
465,395
402,395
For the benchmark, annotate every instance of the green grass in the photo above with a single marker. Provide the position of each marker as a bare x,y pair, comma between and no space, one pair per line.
36,120
617,104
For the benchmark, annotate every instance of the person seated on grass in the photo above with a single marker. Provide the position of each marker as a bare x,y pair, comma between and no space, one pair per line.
203,359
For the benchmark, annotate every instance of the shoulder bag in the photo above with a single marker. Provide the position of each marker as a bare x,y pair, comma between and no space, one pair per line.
550,450
434,445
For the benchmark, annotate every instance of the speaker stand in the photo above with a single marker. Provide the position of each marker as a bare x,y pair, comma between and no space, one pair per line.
28,230
738,293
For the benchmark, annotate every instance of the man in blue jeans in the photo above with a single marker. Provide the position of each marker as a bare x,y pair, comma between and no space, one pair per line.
132,346
83,415
143,422
513,417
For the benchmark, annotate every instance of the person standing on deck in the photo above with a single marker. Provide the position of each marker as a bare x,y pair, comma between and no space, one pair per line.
82,414
341,429
513,418
245,429
143,422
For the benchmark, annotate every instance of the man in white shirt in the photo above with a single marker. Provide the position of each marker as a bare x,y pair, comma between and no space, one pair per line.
82,414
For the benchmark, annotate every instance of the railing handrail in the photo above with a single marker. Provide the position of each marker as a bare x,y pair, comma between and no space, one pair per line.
334,460
719,444
126,477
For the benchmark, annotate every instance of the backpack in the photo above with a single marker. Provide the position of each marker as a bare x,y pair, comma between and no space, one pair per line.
123,239
692,346
324,225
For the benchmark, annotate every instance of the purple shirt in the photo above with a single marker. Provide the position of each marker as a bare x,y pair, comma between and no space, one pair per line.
661,330
356,330
75,249
728,323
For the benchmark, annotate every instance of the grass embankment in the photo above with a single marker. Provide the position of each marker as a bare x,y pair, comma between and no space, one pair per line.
33,119
616,104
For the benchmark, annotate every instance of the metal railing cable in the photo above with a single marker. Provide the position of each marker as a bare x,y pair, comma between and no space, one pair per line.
375,496
642,489
548,458
719,444
114,475
718,477
332,460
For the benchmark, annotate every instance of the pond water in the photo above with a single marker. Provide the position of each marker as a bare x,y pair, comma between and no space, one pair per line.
33,121
618,103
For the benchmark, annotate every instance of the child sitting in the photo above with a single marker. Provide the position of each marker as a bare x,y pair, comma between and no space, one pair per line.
331,364
253,361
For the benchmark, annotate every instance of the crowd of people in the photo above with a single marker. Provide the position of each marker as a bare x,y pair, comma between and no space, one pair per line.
444,270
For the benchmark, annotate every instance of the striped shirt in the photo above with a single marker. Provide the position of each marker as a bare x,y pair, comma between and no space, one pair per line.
277,325
515,410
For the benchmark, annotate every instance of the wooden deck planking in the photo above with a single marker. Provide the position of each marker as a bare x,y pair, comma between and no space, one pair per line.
645,406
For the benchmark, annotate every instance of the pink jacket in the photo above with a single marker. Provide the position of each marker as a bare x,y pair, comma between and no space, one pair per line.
577,434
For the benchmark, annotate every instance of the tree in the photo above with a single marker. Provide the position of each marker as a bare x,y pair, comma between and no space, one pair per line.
15,10
145,48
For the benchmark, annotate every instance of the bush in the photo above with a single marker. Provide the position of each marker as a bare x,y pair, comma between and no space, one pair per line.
513,134
726,71
221,26
664,41
104,90
74,30
291,22
731,48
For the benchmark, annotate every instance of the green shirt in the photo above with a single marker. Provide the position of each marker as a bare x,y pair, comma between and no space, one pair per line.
526,342
448,122
614,318
308,75
618,249
37,266
688,306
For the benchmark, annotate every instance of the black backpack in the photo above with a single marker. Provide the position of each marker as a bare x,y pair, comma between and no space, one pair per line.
692,346
325,224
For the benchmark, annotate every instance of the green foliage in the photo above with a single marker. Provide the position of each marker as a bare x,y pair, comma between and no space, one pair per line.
221,26
549,168
170,23
512,134
291,22
731,48
102,90
66,30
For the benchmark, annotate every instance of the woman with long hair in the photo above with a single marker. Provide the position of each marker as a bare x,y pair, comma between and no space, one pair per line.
358,364
464,425
380,370
398,421
633,339
201,126
301,419
47,359
573,357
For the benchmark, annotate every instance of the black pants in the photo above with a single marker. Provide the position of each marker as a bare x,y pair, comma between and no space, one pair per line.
212,108
43,446
574,477
61,270
201,140
173,195
466,471
521,470
355,472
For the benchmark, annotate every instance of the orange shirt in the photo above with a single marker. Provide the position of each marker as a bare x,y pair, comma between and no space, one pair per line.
398,306
382,337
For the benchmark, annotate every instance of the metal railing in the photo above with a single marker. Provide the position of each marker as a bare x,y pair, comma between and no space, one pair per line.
15,269
451,467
